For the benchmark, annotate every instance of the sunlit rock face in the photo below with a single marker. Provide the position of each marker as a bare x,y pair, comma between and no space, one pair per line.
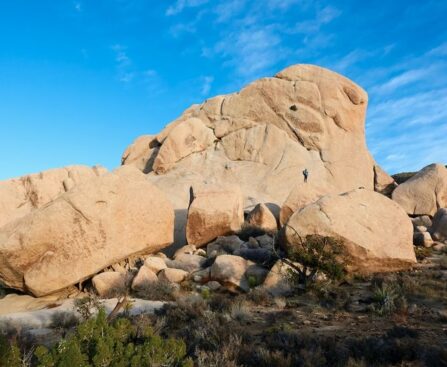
263,137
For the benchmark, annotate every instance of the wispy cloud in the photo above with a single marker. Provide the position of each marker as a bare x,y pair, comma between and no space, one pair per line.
206,86
180,5
123,64
323,16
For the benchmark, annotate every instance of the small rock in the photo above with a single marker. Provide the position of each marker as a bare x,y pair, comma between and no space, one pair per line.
109,284
172,275
265,241
422,239
213,285
223,246
439,246
230,271
144,279
255,274
188,249
252,243
277,281
155,263
420,229
187,262
439,227
423,220
258,255
202,276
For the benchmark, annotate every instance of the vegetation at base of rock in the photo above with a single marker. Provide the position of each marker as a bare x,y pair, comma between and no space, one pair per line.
315,254
96,342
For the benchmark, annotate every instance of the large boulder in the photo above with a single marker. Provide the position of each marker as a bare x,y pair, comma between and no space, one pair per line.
263,137
438,229
110,284
20,196
425,192
374,231
214,211
261,217
96,224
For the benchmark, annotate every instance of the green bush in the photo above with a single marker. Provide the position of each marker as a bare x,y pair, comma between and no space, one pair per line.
315,254
97,343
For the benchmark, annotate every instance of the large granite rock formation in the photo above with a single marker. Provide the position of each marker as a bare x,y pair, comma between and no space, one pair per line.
425,192
98,223
376,233
262,138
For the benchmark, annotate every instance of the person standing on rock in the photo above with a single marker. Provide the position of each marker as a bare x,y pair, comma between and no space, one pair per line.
305,174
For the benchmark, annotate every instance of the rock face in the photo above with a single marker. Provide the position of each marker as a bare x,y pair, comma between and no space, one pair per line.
261,217
214,212
20,196
375,232
262,138
439,227
425,192
98,223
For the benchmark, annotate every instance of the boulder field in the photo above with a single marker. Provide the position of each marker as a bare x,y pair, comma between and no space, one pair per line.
213,189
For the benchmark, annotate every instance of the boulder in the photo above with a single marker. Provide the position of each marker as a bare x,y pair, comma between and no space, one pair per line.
261,217
155,263
20,196
96,224
422,239
263,136
374,231
141,154
110,284
144,279
439,227
215,211
423,220
229,271
224,245
277,282
383,182
420,229
172,275
187,262
425,192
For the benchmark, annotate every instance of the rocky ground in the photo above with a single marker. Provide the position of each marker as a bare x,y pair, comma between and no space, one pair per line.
387,319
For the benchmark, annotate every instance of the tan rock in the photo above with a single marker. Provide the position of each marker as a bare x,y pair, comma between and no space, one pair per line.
277,282
263,218
215,211
302,195
425,192
144,279
96,224
229,271
375,232
265,135
192,136
20,196
141,153
383,182
110,284
172,275
439,227
155,263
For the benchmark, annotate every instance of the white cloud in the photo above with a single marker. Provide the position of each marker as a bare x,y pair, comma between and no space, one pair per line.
180,5
206,86
228,9
323,16
123,64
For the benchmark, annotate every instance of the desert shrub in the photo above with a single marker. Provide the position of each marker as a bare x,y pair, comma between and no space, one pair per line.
225,356
121,343
388,298
9,353
87,306
315,254
259,296
240,311
158,291
422,252
63,320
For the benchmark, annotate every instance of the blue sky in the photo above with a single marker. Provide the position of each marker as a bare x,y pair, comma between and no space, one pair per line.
80,80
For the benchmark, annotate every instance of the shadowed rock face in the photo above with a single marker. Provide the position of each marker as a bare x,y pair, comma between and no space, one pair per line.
263,137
